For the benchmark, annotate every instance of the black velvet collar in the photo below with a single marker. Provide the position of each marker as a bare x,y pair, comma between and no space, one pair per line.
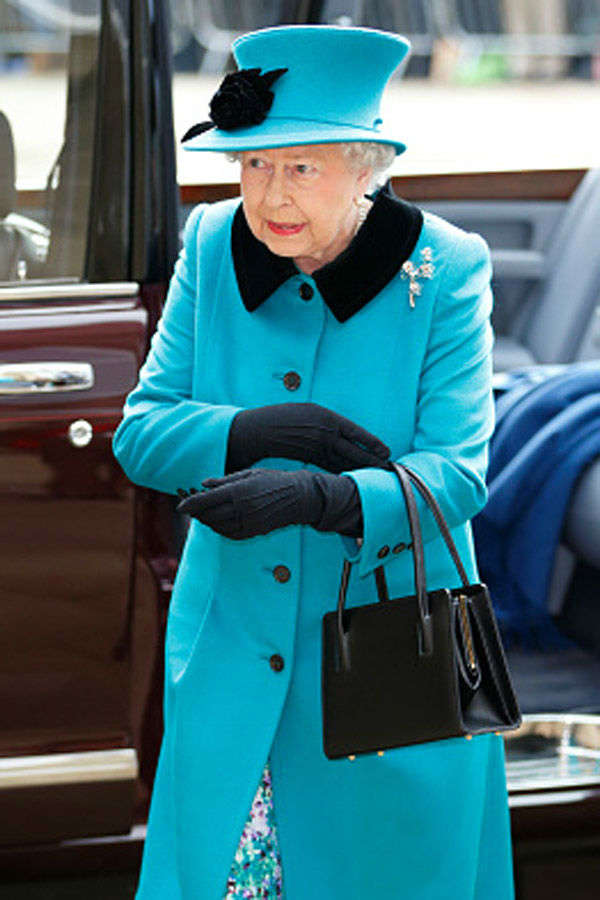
386,239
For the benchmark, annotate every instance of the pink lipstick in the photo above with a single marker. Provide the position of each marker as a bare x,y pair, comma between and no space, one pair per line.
285,229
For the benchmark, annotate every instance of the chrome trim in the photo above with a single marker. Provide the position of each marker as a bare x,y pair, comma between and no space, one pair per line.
80,433
61,310
553,752
548,798
136,834
68,768
65,291
44,377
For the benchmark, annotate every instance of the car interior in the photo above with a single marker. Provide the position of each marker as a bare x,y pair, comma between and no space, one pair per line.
24,241
11,239
546,286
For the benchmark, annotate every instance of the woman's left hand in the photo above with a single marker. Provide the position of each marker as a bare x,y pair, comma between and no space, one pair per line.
256,501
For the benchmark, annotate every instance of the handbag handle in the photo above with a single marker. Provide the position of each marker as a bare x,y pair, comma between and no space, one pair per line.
439,518
424,624
406,476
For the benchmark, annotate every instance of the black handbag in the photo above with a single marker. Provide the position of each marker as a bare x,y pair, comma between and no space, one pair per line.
413,669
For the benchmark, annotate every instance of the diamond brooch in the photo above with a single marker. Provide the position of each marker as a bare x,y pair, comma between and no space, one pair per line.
413,273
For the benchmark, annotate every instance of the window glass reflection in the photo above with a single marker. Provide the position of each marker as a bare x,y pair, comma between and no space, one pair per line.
48,55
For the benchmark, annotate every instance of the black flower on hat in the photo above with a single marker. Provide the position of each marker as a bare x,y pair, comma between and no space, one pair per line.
243,98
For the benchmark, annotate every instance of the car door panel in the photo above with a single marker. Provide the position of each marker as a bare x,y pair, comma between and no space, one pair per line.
66,532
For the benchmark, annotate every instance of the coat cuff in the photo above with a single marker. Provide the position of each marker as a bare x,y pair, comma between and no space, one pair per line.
170,447
386,532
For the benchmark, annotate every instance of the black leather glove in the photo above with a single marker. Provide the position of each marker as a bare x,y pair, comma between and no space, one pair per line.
304,431
256,501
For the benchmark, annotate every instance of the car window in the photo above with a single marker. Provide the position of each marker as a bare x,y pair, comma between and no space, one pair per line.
491,85
48,55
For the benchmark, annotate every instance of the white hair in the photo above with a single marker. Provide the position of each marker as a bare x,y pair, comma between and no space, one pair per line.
372,155
369,154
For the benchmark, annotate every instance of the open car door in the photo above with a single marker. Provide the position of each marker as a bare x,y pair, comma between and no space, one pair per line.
84,235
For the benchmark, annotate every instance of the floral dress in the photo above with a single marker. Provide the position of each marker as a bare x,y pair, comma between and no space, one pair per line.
256,867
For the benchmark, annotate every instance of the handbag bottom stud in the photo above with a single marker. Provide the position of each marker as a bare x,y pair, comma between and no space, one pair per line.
379,753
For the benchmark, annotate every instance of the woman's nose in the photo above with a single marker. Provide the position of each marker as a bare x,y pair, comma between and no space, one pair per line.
277,189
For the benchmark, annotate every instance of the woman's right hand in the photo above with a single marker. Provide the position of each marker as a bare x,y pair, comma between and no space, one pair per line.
303,431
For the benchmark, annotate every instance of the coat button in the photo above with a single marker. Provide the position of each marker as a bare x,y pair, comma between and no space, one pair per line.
276,662
306,291
399,548
383,551
281,573
292,381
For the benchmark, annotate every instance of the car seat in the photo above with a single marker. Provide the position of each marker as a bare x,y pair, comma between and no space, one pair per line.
560,323
10,238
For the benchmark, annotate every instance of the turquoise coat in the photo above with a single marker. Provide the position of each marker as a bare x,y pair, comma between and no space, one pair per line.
426,822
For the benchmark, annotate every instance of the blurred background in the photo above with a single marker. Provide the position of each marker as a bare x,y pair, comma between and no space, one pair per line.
490,85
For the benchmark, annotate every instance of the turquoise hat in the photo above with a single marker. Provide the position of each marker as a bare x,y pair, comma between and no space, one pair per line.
303,84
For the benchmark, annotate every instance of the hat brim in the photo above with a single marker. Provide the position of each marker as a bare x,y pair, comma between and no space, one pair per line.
275,132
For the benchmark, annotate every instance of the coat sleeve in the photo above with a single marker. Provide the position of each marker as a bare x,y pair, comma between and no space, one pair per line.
454,416
165,439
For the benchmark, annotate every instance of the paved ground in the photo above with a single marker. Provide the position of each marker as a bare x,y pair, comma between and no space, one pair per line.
447,127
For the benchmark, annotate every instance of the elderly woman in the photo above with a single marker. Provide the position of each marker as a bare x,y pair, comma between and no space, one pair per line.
311,331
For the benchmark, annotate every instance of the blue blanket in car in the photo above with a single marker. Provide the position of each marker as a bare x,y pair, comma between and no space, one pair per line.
546,433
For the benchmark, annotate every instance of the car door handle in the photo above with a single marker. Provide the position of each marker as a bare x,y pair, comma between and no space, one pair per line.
33,377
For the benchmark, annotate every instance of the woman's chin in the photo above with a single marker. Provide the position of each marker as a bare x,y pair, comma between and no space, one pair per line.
288,245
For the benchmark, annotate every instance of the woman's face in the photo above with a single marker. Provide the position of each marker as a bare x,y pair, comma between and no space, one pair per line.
299,200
